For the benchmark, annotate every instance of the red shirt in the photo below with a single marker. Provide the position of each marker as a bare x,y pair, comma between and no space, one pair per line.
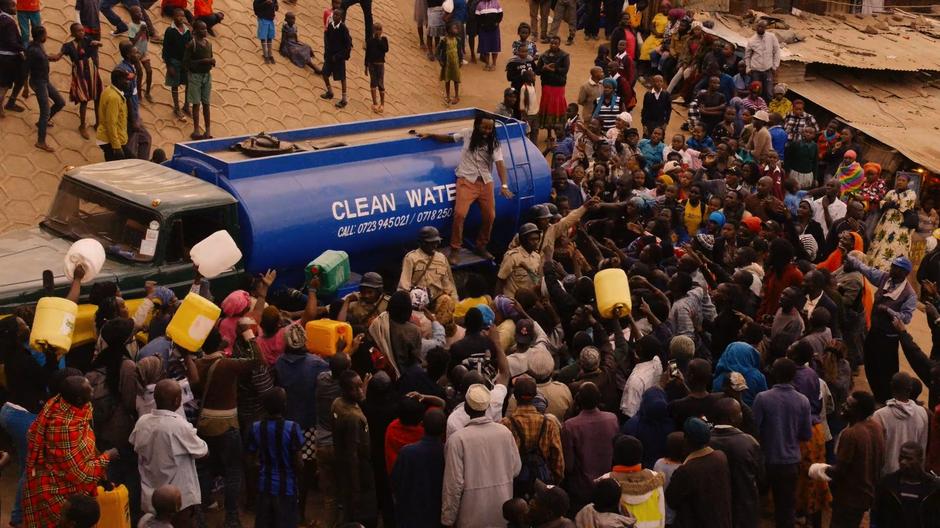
27,5
774,286
202,8
173,3
398,436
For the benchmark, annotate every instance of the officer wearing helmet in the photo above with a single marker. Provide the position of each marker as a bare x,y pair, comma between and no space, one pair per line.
360,308
522,265
428,268
541,216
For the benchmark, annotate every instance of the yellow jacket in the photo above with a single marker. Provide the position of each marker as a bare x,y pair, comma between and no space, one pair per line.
112,118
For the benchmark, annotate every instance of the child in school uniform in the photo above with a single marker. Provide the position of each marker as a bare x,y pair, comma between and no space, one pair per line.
337,45
265,10
376,48
140,37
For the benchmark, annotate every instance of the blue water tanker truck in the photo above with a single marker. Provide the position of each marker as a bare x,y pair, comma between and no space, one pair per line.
364,187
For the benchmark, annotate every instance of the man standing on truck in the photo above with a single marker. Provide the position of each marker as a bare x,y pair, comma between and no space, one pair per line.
480,152
427,268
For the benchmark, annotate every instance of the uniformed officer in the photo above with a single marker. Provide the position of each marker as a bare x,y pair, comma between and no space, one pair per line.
368,303
522,265
428,268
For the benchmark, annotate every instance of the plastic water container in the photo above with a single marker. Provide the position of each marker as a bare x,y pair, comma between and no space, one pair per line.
333,268
612,290
87,252
215,254
115,508
192,322
54,324
322,335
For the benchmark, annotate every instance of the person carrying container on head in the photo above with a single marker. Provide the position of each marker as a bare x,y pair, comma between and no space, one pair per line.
480,152
427,268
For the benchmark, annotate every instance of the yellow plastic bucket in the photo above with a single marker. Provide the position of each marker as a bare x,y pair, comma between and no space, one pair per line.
612,290
53,324
192,322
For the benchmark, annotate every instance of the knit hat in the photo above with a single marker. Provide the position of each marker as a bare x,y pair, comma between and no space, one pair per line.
810,246
541,364
625,117
755,85
718,217
780,89
752,223
850,154
902,262
590,359
477,397
295,337
706,241
697,431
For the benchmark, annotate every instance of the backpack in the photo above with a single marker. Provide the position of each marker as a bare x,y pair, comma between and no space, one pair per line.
534,466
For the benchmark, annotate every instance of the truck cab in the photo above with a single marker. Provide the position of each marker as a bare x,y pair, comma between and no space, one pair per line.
146,216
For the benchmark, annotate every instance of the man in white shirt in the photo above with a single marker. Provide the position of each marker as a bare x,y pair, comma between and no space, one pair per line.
762,58
167,448
829,208
645,374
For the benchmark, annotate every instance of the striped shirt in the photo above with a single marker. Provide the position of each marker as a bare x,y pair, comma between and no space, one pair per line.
276,442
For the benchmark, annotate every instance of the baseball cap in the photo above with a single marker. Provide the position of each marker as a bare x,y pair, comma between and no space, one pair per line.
477,397
625,117
902,262
671,166
737,381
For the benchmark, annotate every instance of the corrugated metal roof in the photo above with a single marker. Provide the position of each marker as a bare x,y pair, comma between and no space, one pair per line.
902,112
903,42
142,182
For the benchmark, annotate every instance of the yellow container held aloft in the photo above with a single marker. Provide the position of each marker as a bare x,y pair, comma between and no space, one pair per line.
612,291
53,324
323,334
115,508
192,322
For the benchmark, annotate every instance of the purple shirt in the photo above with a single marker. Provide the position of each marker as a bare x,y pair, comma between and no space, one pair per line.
782,416
588,447
806,382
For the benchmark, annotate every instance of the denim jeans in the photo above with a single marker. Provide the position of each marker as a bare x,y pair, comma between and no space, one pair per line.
45,91
107,9
225,457
27,20
16,423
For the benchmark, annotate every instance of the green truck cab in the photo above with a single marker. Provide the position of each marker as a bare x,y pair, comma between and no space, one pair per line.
146,216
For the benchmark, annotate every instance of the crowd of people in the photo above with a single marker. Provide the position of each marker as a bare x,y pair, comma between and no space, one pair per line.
767,264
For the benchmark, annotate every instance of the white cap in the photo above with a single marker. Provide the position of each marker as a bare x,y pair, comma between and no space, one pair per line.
478,397
625,117
671,166
762,115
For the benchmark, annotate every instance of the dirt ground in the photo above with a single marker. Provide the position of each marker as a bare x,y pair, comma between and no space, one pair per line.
251,97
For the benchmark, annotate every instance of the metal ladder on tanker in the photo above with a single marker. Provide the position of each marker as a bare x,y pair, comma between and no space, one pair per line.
524,195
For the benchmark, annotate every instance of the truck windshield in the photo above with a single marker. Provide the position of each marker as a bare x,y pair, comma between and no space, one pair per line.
79,212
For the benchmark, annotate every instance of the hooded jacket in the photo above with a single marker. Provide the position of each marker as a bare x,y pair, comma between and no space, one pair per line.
651,425
746,465
641,494
741,357
902,422
888,509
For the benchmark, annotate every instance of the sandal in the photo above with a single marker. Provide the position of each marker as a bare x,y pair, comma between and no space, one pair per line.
179,116
327,95
341,103
195,136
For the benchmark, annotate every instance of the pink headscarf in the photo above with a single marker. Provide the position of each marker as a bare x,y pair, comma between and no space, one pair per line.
233,307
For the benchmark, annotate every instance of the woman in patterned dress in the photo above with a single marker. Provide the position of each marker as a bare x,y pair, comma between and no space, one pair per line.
891,238
82,51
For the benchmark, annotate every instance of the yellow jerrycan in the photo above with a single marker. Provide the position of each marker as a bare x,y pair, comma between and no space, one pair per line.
53,324
193,321
612,290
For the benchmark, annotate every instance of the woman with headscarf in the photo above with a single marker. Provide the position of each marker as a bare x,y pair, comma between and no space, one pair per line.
872,191
808,230
238,304
608,106
650,425
892,238
850,174
742,358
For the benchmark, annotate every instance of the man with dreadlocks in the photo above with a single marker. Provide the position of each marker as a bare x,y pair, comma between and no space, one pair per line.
479,153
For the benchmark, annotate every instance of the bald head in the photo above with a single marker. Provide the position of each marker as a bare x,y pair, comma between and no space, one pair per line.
728,412
166,501
167,395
